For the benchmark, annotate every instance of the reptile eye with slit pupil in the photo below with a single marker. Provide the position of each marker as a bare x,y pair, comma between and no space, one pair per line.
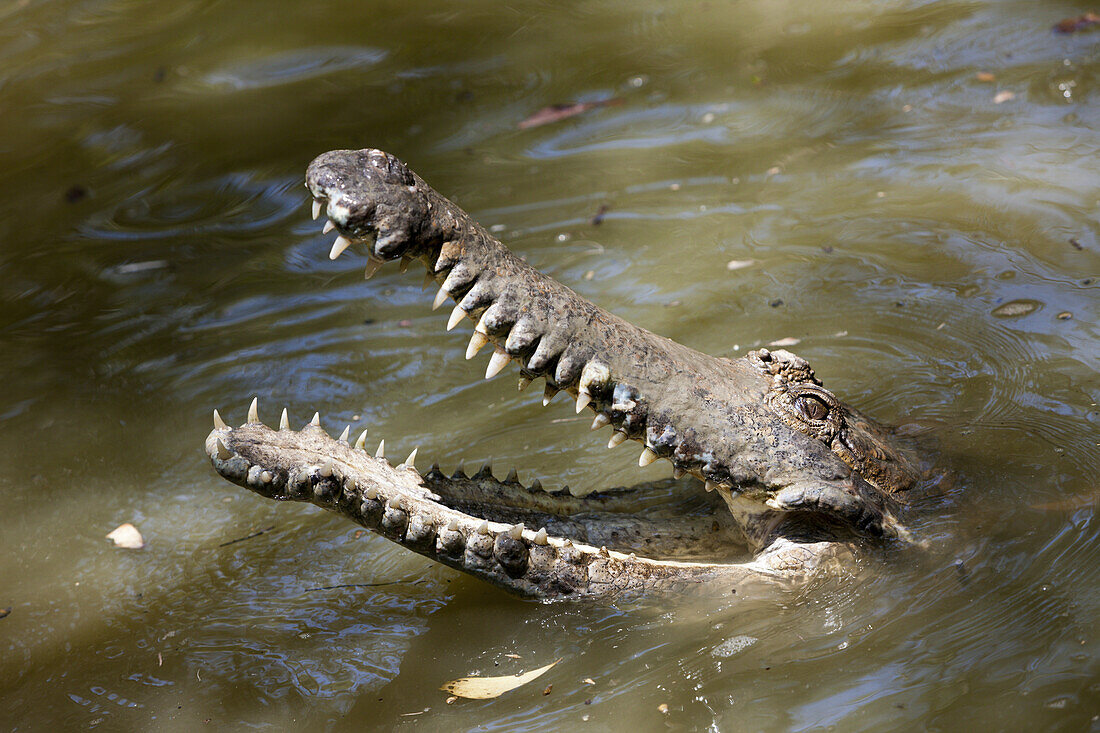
812,408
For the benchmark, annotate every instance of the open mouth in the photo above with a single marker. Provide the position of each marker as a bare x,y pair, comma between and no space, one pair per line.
786,467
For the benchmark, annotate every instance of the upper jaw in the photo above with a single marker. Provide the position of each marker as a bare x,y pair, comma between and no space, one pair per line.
721,420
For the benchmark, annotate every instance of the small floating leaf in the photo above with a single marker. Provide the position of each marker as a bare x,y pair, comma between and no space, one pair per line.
485,688
127,535
1016,308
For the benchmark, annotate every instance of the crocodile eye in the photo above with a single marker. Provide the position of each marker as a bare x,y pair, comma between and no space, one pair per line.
812,408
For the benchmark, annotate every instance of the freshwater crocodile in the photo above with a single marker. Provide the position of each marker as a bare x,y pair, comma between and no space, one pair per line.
788,475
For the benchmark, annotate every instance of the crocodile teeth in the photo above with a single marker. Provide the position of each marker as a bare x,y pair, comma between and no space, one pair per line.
328,227
373,266
516,532
326,468
616,439
218,422
583,398
647,457
284,421
254,411
456,316
316,421
316,209
536,485
540,537
429,279
265,477
440,299
338,247
404,266
452,525
710,486
410,462
361,441
513,476
601,420
523,382
344,435
548,394
476,342
381,452
223,452
370,492
483,528
498,361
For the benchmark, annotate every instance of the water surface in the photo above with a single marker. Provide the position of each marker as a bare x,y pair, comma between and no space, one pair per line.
915,185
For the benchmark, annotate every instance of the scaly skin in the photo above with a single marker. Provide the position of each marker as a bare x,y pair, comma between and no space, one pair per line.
799,472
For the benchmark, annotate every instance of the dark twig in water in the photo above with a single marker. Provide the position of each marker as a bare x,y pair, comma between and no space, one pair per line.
242,539
405,581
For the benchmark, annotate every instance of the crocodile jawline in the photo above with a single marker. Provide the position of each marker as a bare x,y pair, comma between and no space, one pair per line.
791,474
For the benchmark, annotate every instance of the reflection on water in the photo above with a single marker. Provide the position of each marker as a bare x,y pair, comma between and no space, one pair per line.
912,186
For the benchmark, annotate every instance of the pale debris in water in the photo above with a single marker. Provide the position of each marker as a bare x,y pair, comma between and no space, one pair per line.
733,645
127,535
739,264
789,341
485,688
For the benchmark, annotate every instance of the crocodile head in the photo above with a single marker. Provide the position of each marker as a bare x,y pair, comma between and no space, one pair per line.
796,470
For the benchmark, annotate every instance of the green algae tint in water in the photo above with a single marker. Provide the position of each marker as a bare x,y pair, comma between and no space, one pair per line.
158,260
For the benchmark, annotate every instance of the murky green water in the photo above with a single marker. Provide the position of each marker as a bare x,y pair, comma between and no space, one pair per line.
922,233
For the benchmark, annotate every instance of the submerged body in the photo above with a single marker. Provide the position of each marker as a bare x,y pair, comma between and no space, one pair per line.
799,474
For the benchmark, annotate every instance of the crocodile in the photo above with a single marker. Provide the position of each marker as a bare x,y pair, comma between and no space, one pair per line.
774,477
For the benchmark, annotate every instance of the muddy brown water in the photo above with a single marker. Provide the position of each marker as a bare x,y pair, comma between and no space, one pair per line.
928,236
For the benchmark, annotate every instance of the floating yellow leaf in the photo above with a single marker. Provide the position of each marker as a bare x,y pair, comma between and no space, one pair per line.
484,688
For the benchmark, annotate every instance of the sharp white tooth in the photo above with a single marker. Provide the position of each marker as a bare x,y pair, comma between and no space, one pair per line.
326,468
328,227
410,462
476,342
516,532
265,477
583,398
344,435
223,452
456,315
498,361
774,504
616,439
548,395
452,525
316,209
483,528
316,421
540,537
710,486
513,476
381,452
361,441
254,410
440,299
601,420
372,267
370,492
647,457
338,247
523,382
219,424
284,421
677,472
